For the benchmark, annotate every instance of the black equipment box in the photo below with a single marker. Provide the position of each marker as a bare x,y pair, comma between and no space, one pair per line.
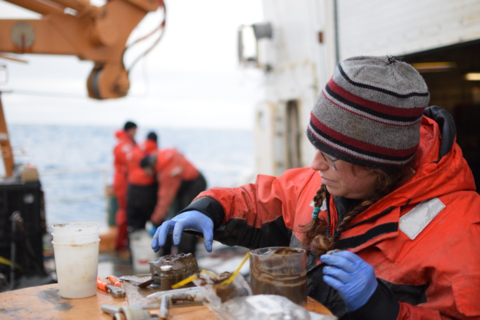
26,198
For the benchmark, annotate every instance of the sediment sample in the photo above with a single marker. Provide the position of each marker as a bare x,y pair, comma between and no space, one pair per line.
280,271
183,266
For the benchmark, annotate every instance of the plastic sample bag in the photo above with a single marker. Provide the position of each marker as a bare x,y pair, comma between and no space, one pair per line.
216,294
271,307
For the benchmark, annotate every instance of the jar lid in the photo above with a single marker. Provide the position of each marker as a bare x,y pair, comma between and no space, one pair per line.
166,268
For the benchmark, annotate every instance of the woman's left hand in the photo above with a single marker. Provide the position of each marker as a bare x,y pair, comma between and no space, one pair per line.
352,277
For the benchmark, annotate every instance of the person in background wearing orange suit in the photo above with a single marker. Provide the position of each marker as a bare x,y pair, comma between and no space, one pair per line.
142,188
150,145
126,141
178,181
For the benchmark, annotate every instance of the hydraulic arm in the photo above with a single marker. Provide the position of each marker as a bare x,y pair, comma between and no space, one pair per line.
75,27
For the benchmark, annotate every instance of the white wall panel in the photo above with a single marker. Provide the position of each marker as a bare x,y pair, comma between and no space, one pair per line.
300,64
396,27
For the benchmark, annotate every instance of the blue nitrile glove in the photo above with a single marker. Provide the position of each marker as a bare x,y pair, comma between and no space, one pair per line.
190,219
352,277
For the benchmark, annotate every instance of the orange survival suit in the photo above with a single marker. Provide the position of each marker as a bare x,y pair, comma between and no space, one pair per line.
179,182
171,168
124,145
423,239
136,175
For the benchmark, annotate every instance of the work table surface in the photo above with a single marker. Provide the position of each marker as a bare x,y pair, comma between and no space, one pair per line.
44,302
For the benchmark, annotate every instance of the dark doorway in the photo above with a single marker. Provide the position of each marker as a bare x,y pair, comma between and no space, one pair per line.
450,90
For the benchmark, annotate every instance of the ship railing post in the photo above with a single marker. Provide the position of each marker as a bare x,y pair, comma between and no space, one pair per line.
6,148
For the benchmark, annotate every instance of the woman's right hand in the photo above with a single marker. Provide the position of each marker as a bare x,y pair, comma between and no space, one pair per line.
190,219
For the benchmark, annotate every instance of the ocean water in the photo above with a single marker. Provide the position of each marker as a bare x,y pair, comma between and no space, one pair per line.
75,162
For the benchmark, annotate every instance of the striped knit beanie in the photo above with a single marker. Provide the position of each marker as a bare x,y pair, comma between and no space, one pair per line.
369,113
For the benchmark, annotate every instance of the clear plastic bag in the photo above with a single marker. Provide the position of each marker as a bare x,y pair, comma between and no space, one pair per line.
236,302
215,294
271,307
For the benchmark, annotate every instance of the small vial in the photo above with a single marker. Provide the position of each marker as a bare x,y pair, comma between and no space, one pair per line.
166,278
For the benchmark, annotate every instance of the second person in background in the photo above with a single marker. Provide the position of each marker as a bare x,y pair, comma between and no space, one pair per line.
142,188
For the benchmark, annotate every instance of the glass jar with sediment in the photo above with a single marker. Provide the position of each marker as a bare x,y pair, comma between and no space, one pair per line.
281,271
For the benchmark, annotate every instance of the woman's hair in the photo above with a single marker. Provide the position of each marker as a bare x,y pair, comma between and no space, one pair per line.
387,180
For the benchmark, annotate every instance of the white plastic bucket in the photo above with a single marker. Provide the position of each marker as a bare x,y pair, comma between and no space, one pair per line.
142,253
75,240
74,228
75,246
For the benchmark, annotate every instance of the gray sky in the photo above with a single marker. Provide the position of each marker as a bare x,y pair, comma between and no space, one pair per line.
191,79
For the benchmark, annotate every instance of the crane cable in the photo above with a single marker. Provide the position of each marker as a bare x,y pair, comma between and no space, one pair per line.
161,27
